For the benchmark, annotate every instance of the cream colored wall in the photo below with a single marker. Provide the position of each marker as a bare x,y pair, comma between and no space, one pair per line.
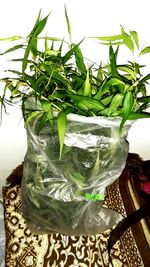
88,18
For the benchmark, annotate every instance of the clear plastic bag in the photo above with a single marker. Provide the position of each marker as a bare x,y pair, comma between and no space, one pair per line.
2,237
66,195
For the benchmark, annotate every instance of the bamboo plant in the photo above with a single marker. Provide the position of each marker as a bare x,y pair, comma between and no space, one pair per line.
67,83
54,74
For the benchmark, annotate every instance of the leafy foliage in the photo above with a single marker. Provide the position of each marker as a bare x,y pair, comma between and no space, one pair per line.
65,83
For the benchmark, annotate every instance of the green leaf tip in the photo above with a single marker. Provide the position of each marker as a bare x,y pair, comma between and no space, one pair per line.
61,126
68,23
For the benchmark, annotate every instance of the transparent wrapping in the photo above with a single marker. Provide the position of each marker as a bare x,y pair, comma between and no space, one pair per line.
2,237
66,195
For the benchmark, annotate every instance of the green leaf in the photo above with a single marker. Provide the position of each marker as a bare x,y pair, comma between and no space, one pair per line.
86,103
16,47
51,52
110,86
109,38
61,126
31,116
102,90
50,38
100,73
41,122
104,112
87,86
78,83
68,22
76,178
127,39
113,63
127,107
47,107
12,38
143,107
29,80
15,72
116,113
105,101
40,83
145,79
128,69
142,89
60,47
79,60
63,80
32,42
116,85
112,43
145,50
134,35
51,73
141,115
90,104
36,23
144,99
46,44
116,102
128,103
70,53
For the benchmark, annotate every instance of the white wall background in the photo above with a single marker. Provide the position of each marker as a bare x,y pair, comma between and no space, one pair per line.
88,18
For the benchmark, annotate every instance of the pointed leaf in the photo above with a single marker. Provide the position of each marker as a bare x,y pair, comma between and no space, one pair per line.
142,89
31,116
127,107
32,43
16,47
143,107
109,38
144,99
87,86
51,52
86,103
61,126
45,44
60,47
41,122
12,38
113,63
127,39
116,102
117,84
79,60
36,23
68,22
47,107
102,90
112,43
145,50
50,38
144,79
141,115
100,73
134,35
128,69
71,52
107,100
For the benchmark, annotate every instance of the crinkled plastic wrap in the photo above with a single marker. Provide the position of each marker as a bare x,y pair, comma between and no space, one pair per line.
2,237
66,195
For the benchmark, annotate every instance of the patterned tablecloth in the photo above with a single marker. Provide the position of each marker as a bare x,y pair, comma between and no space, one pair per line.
24,248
